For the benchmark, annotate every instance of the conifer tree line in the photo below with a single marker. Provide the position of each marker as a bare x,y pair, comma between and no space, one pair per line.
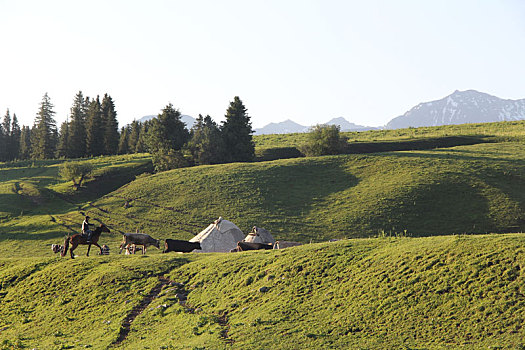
91,129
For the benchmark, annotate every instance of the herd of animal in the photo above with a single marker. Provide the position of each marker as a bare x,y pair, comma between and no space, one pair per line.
132,242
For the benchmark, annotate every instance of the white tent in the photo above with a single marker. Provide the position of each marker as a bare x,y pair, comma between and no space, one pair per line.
221,236
259,235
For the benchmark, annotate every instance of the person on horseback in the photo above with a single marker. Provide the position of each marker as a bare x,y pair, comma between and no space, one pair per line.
86,230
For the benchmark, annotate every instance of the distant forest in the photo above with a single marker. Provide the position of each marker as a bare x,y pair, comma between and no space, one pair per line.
92,130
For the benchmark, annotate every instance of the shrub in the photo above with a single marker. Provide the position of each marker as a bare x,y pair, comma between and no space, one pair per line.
324,140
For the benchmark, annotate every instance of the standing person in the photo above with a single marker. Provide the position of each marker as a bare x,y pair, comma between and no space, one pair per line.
86,230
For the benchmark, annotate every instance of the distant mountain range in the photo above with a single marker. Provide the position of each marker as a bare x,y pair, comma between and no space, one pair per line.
289,126
461,107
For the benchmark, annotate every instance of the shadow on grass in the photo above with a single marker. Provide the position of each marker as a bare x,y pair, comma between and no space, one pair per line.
293,189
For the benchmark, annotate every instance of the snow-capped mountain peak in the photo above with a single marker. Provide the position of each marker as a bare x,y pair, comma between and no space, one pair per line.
461,107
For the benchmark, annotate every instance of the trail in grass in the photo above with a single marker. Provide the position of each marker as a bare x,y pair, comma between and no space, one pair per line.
137,310
224,323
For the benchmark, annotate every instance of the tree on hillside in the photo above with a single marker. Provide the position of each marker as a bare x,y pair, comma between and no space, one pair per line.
165,138
141,145
64,141
206,144
25,143
76,172
14,150
237,133
324,140
134,135
5,131
109,125
45,133
123,147
9,136
94,129
77,127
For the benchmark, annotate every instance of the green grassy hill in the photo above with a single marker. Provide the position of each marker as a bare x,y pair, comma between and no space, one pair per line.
32,197
465,189
491,131
426,293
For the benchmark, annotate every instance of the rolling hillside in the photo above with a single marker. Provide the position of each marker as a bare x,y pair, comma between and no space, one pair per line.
433,293
465,189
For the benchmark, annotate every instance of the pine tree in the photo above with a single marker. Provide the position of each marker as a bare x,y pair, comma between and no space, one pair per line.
5,131
167,131
134,135
15,138
206,145
110,125
63,149
25,143
94,129
237,133
45,133
123,147
77,128
165,138
141,145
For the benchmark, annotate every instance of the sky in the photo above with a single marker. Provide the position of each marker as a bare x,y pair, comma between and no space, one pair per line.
304,60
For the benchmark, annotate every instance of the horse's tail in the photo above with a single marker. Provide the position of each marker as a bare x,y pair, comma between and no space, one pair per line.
66,246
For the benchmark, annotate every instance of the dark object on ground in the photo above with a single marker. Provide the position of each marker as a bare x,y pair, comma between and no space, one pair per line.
176,245
242,246
105,250
57,248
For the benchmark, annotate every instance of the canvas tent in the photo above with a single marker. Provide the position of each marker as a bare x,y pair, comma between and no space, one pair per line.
259,235
221,236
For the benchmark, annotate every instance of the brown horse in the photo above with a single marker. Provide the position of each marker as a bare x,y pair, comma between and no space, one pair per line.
79,238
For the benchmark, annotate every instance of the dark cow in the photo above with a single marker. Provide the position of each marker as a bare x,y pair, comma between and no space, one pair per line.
176,245
242,246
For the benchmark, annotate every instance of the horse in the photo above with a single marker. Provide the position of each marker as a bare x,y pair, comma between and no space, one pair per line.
79,238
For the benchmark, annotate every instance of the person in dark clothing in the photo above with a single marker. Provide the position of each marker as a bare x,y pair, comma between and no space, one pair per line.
86,230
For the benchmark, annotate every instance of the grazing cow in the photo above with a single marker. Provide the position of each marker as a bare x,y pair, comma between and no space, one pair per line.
138,239
242,246
176,245
285,244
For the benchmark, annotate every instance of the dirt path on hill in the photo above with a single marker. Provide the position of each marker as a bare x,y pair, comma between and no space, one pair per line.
152,295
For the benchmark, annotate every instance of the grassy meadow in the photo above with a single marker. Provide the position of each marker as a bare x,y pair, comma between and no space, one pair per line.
430,252
418,293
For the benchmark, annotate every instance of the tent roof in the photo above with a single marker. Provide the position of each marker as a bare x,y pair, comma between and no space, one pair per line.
220,236
259,235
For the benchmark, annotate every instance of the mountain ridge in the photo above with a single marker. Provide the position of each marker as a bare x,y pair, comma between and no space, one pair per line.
460,107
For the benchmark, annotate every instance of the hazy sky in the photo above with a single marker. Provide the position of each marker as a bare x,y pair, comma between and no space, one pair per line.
305,60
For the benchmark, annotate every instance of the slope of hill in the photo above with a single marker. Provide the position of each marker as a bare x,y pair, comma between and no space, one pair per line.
436,292
472,189
512,130
461,107
32,196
